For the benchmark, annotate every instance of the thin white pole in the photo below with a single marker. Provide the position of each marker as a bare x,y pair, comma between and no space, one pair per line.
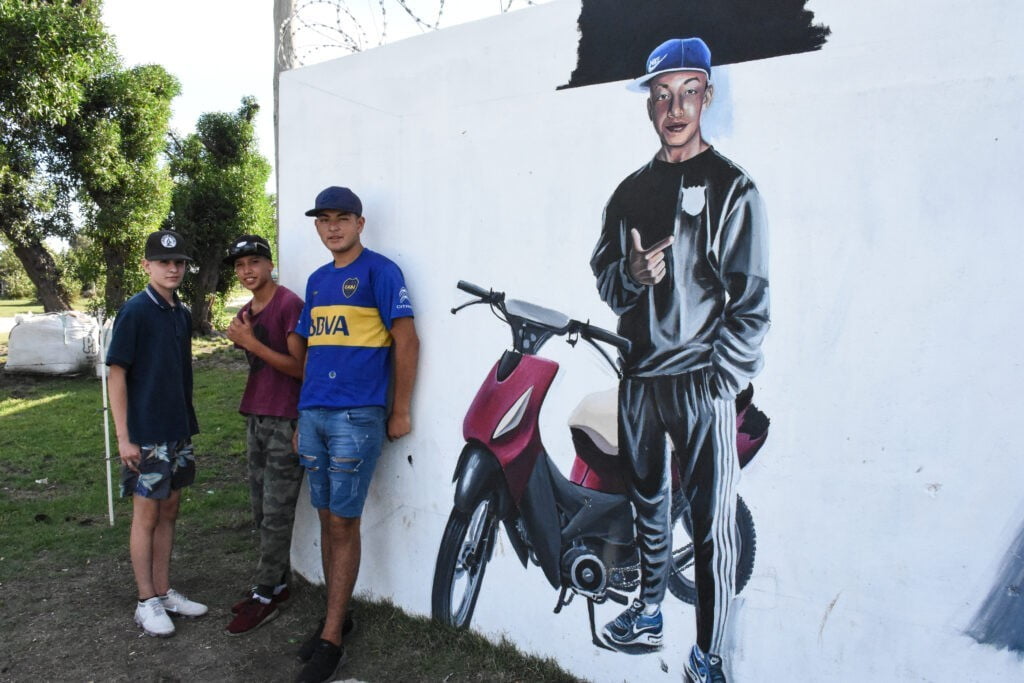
106,418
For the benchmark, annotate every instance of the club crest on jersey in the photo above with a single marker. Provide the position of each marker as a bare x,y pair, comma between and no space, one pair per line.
693,199
349,287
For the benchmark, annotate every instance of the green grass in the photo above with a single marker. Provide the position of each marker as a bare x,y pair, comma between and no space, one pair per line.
53,492
12,307
398,644
236,298
53,496
53,514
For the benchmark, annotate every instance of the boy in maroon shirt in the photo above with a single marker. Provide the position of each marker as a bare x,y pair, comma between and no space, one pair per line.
265,329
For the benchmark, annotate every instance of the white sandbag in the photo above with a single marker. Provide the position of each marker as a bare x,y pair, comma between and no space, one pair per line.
53,343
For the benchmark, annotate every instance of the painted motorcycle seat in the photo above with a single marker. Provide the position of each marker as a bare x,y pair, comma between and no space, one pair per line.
597,417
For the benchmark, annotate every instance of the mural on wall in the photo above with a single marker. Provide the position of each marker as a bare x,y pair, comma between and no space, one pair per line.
871,420
579,530
651,505
683,261
1000,619
615,36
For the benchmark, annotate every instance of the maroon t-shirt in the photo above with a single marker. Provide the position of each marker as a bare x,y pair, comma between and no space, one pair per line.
269,391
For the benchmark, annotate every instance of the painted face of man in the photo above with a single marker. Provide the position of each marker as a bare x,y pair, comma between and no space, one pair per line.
253,271
338,230
677,100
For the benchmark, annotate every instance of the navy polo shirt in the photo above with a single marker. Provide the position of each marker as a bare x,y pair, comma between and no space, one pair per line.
152,341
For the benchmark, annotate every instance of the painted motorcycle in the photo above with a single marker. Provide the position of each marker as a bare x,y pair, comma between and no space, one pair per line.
579,530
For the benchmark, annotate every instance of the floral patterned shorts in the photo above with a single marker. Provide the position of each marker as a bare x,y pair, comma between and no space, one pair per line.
163,467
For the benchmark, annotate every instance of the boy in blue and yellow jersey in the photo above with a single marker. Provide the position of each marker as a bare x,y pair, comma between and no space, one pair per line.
357,322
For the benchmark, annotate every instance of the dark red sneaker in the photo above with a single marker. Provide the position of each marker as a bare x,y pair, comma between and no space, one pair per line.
277,600
253,614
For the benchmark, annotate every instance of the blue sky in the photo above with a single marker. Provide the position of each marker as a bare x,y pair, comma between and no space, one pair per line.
223,50
220,51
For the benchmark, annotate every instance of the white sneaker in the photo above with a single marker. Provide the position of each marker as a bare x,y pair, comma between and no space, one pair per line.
176,603
150,615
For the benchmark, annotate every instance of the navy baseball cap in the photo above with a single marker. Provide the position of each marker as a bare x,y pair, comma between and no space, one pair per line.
337,199
248,245
678,54
166,245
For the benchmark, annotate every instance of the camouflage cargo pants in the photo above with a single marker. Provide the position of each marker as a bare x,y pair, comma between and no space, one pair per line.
275,476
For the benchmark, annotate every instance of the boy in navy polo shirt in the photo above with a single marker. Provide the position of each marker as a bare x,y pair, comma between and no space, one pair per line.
150,359
357,322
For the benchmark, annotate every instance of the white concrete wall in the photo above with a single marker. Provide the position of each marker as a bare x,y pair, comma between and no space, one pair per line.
890,163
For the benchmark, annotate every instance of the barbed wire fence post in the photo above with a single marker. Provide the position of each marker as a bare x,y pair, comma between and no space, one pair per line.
307,30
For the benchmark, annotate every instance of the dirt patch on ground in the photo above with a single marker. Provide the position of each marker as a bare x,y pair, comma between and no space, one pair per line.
64,622
75,623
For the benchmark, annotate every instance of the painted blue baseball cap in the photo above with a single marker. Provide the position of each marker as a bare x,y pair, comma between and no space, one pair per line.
337,199
678,54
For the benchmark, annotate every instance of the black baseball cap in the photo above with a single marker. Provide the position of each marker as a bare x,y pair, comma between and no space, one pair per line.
248,245
337,199
166,245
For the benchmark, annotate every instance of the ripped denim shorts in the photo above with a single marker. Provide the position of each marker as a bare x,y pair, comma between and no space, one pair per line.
339,449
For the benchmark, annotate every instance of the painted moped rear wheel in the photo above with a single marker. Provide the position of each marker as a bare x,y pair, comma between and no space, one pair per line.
461,560
680,579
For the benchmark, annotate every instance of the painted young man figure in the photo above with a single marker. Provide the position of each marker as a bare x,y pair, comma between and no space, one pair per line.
265,329
683,261
150,359
361,339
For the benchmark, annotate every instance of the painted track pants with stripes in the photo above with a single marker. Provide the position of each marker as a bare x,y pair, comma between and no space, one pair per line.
703,429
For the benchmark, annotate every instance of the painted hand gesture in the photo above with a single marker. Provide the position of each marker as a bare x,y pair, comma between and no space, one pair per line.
647,266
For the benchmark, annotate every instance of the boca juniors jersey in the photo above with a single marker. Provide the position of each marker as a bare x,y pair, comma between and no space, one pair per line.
347,322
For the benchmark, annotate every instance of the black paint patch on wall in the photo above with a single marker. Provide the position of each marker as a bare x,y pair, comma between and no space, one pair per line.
616,35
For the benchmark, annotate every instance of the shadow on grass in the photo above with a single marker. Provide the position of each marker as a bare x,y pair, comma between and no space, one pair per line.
53,473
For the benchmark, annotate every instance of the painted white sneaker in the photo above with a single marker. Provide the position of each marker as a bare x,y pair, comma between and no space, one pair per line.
177,604
152,618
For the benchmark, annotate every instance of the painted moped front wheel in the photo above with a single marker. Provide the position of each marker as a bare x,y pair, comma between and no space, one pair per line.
461,560
680,579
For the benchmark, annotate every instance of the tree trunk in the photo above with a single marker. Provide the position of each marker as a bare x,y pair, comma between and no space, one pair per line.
204,295
42,270
114,293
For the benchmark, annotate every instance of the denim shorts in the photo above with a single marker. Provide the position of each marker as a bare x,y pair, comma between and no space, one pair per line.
163,467
339,449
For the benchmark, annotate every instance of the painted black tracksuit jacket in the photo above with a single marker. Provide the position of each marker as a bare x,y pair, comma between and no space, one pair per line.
711,310
696,342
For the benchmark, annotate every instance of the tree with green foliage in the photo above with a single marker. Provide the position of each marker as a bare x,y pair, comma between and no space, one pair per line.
219,193
49,51
14,282
113,148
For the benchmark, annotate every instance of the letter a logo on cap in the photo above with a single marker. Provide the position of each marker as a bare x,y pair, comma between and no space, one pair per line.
169,241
